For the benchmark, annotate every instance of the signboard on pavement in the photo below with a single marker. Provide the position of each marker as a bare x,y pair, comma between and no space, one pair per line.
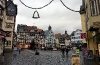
76,59
90,54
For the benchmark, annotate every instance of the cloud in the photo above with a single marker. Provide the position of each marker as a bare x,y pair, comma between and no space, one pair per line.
55,14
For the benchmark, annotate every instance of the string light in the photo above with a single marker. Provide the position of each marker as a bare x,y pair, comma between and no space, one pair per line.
47,5
68,7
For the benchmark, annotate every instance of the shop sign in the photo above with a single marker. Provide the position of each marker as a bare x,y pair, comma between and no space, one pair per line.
76,59
96,24
83,35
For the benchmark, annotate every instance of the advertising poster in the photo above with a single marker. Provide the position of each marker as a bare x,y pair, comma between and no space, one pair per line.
76,59
90,54
85,52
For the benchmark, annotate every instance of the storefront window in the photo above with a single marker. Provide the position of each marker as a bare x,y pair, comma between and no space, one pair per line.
8,43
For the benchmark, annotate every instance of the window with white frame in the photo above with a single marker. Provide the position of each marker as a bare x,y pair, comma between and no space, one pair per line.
8,43
9,25
93,7
9,17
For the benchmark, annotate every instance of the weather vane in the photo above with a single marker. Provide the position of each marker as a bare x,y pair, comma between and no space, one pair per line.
36,12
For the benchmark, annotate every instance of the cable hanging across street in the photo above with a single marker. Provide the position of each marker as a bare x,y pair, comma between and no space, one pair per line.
68,7
43,7
38,7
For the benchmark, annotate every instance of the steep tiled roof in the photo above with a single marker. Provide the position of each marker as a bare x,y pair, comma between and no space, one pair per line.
63,35
57,35
39,30
46,32
72,34
28,27
35,27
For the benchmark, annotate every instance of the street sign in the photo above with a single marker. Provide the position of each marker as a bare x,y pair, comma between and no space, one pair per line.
76,59
83,35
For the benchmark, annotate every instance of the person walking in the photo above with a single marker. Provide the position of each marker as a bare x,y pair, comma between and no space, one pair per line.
63,51
67,50
15,51
19,49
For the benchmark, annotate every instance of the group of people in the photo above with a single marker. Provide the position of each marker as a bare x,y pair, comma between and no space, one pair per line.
16,50
63,50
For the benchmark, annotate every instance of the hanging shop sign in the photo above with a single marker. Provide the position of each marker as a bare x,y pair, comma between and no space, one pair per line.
83,35
96,24
76,59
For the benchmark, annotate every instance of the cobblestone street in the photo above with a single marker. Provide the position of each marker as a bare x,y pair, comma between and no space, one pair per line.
28,57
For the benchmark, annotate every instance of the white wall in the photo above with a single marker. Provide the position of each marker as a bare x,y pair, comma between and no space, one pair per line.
76,37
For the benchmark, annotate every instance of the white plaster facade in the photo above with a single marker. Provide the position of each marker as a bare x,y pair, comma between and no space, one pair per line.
77,36
49,37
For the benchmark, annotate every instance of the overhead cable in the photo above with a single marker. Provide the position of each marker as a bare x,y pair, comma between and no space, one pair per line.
38,7
68,7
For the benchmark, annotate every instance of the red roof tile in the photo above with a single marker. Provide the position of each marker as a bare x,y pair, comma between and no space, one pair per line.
57,35
39,30
35,27
63,35
28,27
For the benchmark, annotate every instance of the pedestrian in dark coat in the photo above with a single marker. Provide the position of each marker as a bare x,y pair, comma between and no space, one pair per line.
67,50
63,51
19,50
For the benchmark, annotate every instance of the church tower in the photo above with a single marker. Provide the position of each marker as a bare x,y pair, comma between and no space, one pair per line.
49,28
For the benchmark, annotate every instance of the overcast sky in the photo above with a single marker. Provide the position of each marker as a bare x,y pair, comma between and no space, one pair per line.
55,14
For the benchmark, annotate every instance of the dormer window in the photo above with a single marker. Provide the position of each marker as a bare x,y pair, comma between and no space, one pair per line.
9,25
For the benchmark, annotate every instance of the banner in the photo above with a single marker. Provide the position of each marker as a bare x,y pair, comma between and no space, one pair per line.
76,59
